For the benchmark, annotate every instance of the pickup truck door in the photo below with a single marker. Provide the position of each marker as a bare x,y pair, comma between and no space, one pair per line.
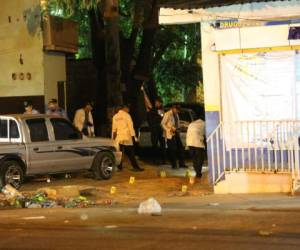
70,152
39,149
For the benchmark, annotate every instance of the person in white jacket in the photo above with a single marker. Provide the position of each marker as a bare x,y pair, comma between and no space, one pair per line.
124,134
83,119
195,140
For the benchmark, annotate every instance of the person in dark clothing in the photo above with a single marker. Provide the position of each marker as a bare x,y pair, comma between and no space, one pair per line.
154,116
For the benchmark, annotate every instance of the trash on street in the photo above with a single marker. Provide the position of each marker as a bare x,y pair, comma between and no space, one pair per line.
150,206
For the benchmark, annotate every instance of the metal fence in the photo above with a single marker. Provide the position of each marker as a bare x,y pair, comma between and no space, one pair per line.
254,146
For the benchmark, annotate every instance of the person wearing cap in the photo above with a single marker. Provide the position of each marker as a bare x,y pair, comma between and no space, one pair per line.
29,110
54,109
195,140
171,127
124,134
83,119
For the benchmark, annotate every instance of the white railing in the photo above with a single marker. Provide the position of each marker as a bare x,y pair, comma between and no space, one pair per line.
294,159
261,146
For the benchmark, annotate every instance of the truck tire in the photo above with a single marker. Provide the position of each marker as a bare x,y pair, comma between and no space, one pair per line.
11,173
103,166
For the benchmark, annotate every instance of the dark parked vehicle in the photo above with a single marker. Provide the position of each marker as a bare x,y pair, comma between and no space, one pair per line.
198,108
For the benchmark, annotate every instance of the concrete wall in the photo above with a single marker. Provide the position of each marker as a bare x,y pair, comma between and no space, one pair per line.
26,71
211,78
247,37
245,183
54,71
20,38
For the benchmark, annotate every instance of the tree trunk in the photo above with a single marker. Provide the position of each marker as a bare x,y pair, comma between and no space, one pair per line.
106,55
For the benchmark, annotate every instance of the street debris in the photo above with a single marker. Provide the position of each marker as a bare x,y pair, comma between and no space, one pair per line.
214,204
50,193
111,227
150,206
84,216
105,202
34,218
42,198
10,192
264,233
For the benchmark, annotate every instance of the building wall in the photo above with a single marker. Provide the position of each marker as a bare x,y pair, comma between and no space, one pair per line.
21,49
26,71
54,71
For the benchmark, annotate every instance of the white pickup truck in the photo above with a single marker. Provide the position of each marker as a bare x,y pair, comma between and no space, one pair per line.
42,144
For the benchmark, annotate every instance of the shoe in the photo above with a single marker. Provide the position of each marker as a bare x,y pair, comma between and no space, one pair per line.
184,166
137,169
199,175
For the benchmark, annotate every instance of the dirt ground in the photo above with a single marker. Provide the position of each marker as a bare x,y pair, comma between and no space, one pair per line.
147,184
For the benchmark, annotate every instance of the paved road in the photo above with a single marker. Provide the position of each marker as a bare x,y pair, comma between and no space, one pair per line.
180,227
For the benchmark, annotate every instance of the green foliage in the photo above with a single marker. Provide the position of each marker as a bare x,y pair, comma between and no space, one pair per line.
176,69
126,17
70,7
176,48
76,11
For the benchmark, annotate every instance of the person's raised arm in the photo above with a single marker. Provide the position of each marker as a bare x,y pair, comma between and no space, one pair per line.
147,101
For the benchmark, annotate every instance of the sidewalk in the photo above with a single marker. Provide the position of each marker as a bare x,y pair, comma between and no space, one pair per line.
254,202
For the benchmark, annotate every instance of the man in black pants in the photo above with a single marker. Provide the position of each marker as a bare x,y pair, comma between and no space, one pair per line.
155,115
171,126
124,134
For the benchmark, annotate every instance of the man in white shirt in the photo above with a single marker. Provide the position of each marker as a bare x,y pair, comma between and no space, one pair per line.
124,134
195,141
83,119
171,126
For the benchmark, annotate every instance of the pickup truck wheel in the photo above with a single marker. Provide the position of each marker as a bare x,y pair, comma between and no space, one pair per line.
11,173
104,165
